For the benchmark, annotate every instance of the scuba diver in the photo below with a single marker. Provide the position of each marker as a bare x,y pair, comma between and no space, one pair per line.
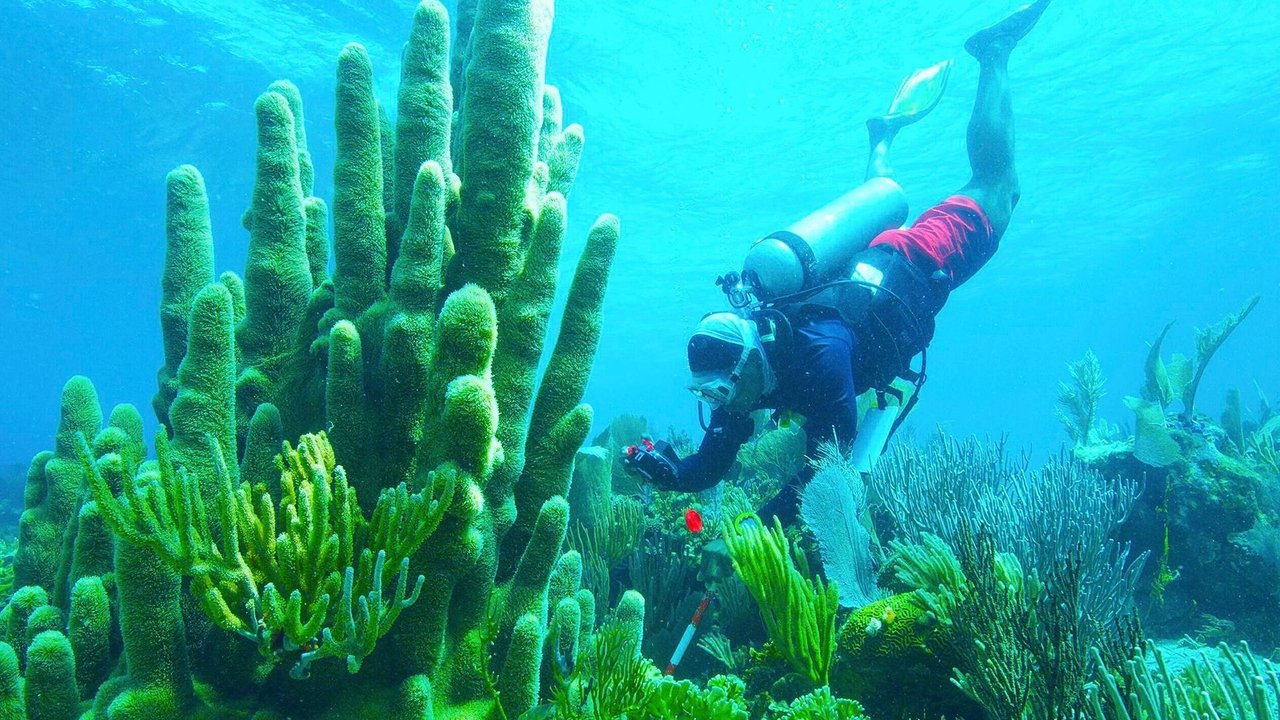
843,301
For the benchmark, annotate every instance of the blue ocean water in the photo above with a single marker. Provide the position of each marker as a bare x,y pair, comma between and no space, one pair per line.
1148,149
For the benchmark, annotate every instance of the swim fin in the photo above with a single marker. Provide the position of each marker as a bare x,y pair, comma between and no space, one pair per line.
918,94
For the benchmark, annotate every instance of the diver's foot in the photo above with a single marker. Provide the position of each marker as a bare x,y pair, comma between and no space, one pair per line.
1000,38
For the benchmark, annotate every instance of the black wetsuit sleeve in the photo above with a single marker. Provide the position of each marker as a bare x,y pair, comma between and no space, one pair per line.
725,435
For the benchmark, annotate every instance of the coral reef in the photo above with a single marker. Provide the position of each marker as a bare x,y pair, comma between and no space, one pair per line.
236,575
1209,512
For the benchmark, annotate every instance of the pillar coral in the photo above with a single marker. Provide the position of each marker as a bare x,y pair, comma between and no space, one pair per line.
418,356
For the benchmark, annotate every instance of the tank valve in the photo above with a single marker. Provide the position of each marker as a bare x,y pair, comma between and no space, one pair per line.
732,286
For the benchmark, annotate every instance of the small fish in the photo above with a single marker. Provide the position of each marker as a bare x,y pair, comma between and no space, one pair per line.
693,520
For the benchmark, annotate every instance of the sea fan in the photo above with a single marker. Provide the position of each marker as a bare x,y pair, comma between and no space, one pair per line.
833,505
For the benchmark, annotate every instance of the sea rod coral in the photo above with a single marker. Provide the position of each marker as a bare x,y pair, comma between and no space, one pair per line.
418,357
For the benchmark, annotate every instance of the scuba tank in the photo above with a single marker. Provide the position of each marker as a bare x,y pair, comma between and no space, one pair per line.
820,247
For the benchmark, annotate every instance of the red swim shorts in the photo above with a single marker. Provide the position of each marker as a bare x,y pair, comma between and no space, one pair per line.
954,236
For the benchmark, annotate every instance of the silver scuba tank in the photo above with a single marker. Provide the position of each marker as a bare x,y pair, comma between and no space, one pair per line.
820,247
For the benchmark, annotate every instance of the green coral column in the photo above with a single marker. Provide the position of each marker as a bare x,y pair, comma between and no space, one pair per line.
54,482
93,553
528,589
87,545
347,404
11,703
424,117
278,282
24,603
306,170
559,424
89,630
560,148
359,240
413,700
523,319
501,115
465,337
409,337
50,690
188,267
159,683
206,403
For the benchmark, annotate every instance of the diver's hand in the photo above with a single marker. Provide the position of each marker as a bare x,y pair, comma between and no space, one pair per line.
656,462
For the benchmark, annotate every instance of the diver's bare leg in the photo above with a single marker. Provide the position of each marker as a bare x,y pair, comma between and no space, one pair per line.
880,134
994,184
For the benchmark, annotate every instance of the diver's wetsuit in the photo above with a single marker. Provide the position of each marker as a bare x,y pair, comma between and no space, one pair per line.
817,378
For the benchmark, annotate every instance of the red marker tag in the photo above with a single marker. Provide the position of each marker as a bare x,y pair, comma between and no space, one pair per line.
693,520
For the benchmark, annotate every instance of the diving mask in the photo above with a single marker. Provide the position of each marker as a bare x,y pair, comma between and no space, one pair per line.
717,389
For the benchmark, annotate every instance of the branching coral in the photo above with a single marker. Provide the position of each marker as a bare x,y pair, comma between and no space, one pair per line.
317,580
991,621
1014,572
1078,401
1044,516
1017,647
721,699
719,647
1237,685
818,705
799,612
664,568
610,539
1263,445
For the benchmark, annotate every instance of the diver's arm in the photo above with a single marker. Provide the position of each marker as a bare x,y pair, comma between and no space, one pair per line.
703,469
